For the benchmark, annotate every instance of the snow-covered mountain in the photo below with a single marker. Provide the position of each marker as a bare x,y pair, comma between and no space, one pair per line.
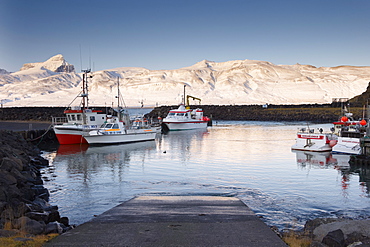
4,72
55,83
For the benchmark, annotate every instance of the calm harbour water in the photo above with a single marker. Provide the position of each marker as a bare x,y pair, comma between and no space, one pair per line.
248,160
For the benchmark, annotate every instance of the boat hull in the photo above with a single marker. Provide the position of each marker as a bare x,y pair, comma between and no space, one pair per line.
72,134
69,135
70,139
186,125
121,138
314,142
347,145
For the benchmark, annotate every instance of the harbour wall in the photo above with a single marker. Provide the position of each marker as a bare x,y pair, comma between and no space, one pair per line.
315,113
318,113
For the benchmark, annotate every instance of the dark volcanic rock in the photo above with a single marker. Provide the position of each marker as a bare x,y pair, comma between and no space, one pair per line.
23,199
281,113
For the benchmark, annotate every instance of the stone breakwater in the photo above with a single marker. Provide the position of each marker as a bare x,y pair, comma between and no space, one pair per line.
287,113
24,203
311,113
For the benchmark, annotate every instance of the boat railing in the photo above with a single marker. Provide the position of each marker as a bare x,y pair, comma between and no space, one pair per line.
312,131
59,120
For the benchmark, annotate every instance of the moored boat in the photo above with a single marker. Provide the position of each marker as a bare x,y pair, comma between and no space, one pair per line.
185,118
78,119
308,140
349,134
121,130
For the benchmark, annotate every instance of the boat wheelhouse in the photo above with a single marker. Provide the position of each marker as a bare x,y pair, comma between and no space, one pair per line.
69,129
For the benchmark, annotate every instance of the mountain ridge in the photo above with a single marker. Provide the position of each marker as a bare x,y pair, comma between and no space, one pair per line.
55,83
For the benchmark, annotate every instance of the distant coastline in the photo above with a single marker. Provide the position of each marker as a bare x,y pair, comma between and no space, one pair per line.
316,113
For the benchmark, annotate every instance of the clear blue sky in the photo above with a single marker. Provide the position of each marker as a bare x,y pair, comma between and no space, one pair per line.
170,34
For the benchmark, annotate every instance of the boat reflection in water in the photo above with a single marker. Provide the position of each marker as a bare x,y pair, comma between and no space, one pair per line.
338,162
85,162
68,149
364,177
314,159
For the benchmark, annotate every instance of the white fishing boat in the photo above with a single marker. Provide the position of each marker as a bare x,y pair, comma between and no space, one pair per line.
349,134
121,129
78,119
185,118
308,140
116,130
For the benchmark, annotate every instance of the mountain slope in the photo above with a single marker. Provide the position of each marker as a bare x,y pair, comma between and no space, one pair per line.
232,82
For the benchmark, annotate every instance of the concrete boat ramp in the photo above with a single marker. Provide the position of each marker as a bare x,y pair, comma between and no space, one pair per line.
173,221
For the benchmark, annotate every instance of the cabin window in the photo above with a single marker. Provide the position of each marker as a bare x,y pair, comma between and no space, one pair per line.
171,114
115,126
78,117
73,118
92,118
69,117
108,126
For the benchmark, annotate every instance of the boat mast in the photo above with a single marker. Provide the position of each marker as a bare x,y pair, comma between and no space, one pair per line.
85,94
85,89
119,115
118,92
184,95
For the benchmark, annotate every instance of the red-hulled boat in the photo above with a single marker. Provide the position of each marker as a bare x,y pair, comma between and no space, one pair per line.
69,129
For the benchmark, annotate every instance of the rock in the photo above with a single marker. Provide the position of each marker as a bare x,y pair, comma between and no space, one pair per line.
38,216
55,216
41,192
8,163
6,178
312,224
7,233
334,239
53,227
42,203
347,226
317,244
33,227
64,221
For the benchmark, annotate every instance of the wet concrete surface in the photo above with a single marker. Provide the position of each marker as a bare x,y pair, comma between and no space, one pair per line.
173,221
